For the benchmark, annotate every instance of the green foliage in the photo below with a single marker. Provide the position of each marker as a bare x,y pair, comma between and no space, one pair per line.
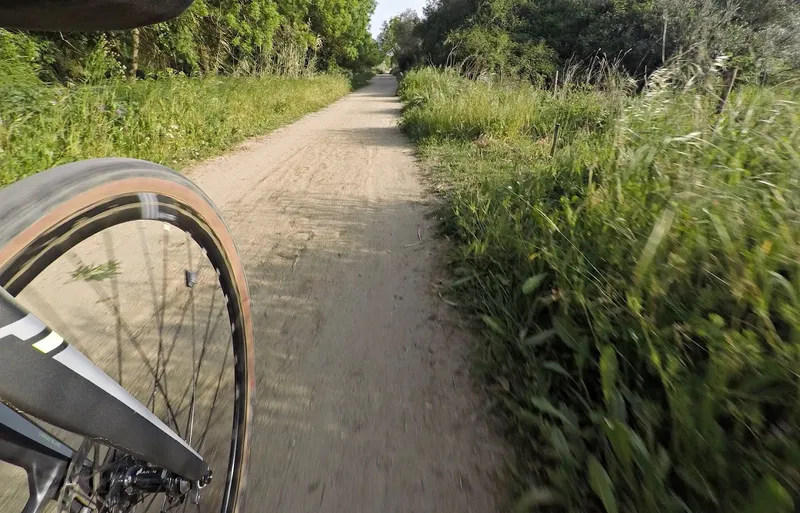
342,25
369,56
100,64
399,40
90,111
19,57
485,48
531,38
212,37
639,291
170,121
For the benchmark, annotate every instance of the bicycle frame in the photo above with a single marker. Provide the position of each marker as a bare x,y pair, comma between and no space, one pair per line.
43,376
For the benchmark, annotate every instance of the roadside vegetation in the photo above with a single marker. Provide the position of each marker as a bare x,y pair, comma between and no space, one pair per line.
626,241
638,291
171,121
177,91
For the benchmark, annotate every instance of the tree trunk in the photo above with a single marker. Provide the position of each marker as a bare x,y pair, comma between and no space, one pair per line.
134,52
731,79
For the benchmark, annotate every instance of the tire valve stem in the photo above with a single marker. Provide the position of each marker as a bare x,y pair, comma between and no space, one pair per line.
191,278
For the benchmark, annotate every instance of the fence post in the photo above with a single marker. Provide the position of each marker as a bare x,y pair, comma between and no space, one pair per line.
727,91
555,84
555,140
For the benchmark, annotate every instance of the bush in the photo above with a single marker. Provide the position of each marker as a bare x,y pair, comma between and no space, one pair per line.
638,293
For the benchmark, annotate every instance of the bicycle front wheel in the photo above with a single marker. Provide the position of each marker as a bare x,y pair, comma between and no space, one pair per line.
133,265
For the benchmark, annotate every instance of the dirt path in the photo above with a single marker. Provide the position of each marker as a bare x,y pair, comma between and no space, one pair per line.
364,403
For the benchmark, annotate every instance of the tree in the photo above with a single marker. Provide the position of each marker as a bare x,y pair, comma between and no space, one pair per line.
441,17
219,36
342,25
399,39
532,37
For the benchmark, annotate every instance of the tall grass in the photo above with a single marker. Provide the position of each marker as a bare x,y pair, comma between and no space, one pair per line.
170,121
459,109
638,292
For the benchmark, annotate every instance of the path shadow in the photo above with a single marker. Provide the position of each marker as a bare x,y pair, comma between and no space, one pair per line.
393,111
386,136
384,86
344,321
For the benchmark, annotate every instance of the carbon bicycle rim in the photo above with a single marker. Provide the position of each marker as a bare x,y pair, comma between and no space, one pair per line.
133,265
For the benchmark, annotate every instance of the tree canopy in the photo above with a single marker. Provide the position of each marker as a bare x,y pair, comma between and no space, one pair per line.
399,39
215,36
532,37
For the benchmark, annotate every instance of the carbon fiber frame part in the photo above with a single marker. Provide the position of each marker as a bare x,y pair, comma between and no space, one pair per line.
42,456
45,377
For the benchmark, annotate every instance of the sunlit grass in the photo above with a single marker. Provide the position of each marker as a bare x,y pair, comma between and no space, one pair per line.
170,121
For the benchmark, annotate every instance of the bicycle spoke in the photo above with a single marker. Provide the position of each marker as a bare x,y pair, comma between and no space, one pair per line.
109,244
188,303
163,308
171,349
102,298
169,356
210,331
95,473
157,310
166,351
149,504
190,421
214,401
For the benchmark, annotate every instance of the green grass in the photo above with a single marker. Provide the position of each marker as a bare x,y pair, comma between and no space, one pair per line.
639,294
171,121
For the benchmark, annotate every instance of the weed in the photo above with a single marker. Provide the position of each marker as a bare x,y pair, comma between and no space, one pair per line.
99,272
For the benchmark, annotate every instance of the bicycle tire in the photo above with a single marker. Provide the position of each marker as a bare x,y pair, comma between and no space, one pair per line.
46,214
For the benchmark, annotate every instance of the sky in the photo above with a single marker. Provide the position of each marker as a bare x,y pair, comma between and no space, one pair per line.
388,8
